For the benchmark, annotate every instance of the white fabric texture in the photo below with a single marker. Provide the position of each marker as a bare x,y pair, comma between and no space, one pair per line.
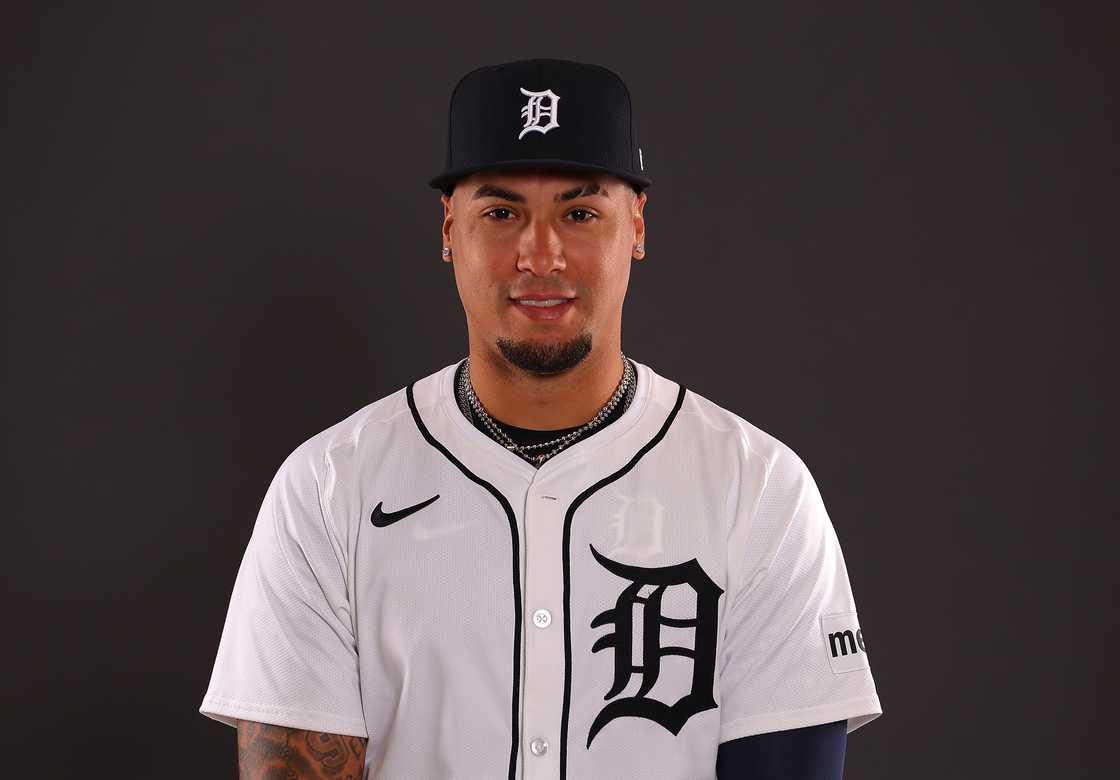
775,671
419,634
288,654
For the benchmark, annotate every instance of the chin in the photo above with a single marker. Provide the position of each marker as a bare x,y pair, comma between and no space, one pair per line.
546,355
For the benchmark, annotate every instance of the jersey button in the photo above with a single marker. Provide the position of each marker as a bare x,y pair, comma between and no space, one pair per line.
542,618
539,746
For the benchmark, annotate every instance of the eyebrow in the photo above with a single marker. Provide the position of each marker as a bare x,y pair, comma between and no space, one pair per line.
494,191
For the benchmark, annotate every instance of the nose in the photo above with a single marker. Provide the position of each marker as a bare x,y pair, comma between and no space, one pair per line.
540,250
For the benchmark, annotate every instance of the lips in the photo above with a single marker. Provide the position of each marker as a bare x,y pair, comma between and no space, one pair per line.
543,296
543,307
541,301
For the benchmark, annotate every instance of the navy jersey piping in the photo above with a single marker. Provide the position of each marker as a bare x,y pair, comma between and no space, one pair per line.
567,543
515,738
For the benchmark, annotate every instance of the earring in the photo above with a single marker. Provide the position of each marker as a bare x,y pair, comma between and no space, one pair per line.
447,251
637,247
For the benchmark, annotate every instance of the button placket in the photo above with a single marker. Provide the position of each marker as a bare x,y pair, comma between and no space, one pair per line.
544,645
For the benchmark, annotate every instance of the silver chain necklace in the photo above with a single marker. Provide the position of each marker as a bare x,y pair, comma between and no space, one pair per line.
466,391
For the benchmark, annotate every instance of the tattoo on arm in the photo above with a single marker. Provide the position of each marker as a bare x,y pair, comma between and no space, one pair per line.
265,752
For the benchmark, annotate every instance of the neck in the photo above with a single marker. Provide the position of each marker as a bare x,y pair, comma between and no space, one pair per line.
548,402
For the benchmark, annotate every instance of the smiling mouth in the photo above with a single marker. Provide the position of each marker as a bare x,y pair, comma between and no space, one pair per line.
543,309
548,302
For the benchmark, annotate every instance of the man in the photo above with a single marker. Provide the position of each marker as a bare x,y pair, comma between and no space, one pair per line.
545,560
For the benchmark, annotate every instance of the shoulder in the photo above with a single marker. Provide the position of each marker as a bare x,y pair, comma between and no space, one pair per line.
335,455
362,433
720,428
315,482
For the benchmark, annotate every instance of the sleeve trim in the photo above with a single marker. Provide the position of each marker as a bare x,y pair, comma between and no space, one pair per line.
229,711
858,712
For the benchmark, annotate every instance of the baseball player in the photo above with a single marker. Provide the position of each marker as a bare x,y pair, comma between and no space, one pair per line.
545,560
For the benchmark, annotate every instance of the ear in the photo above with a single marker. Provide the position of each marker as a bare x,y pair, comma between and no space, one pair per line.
447,220
639,224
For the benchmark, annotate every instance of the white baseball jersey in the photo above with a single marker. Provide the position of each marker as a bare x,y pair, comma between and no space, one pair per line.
667,584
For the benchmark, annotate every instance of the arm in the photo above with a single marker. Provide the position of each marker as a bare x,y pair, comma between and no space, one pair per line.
811,753
264,751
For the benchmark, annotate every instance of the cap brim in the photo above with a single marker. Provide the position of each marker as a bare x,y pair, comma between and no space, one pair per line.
448,178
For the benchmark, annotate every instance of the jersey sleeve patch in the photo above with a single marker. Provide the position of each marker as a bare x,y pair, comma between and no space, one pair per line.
843,642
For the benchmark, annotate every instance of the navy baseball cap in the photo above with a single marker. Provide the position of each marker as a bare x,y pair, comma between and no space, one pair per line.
542,113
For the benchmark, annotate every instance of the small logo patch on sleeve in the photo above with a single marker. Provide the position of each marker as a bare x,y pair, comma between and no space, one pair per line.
843,642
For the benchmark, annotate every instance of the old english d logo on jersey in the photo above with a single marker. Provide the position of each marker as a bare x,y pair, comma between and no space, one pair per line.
537,108
703,653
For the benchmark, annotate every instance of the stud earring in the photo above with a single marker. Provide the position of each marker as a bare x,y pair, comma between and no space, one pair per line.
638,248
447,251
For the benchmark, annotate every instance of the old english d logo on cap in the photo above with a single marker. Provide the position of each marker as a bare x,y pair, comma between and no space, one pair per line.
508,116
534,110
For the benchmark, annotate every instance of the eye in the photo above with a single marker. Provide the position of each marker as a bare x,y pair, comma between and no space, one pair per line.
590,215
496,210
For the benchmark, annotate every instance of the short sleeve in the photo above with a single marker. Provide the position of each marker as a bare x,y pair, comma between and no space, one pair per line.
287,654
793,652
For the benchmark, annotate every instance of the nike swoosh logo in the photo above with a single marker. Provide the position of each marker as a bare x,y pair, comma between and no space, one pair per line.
382,519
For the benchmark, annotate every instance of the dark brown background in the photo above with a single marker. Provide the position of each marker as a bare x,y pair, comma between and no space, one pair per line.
882,232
